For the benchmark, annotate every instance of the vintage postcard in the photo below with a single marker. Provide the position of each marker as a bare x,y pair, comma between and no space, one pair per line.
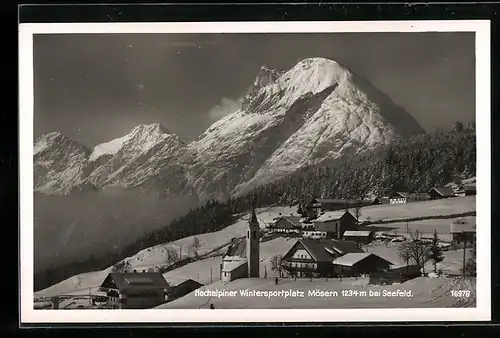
197,172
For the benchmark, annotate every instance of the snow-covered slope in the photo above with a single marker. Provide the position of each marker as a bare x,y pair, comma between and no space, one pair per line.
155,257
316,110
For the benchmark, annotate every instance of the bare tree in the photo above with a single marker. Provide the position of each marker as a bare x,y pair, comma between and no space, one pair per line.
172,255
404,254
196,245
415,250
122,266
277,263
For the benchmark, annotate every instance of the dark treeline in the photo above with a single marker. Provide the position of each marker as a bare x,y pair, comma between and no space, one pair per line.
415,164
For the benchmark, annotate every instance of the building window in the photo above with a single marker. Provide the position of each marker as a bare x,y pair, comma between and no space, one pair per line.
254,234
248,234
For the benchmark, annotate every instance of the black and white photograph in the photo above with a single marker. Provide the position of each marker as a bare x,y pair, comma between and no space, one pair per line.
231,168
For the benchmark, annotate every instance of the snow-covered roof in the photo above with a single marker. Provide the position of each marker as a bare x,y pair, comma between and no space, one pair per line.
321,250
404,194
230,266
351,259
357,233
234,258
330,216
462,226
172,281
237,248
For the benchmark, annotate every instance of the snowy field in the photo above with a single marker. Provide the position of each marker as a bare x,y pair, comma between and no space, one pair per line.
448,206
425,227
452,263
200,270
156,256
425,292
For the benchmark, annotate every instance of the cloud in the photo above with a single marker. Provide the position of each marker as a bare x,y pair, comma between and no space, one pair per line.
224,108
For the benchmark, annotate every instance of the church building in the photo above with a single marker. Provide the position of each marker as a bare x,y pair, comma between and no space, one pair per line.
242,257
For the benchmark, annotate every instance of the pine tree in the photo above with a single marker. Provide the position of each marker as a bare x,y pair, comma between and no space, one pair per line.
436,254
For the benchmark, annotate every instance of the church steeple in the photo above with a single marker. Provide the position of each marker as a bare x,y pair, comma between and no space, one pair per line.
253,218
253,239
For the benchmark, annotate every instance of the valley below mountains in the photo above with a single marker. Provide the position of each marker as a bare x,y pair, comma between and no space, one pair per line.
94,200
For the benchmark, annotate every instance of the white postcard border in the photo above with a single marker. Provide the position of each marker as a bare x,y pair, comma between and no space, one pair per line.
483,204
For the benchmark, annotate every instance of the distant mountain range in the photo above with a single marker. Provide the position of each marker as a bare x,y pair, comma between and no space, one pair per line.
315,111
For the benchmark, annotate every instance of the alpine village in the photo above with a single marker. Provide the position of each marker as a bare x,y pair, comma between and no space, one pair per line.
288,236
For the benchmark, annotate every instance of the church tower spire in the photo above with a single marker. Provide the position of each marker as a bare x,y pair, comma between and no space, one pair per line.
252,247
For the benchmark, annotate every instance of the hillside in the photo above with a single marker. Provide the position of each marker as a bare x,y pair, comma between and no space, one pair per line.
155,256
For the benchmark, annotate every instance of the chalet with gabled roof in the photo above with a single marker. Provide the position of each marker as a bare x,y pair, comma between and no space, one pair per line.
310,257
335,223
440,193
463,232
134,290
398,197
323,258
286,224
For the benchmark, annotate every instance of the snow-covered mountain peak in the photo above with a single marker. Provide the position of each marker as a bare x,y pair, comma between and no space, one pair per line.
317,109
313,75
151,128
56,139
142,138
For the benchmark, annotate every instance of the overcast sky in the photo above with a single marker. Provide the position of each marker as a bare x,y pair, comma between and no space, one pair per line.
97,87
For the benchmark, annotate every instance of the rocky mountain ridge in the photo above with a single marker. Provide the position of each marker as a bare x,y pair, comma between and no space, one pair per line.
316,110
